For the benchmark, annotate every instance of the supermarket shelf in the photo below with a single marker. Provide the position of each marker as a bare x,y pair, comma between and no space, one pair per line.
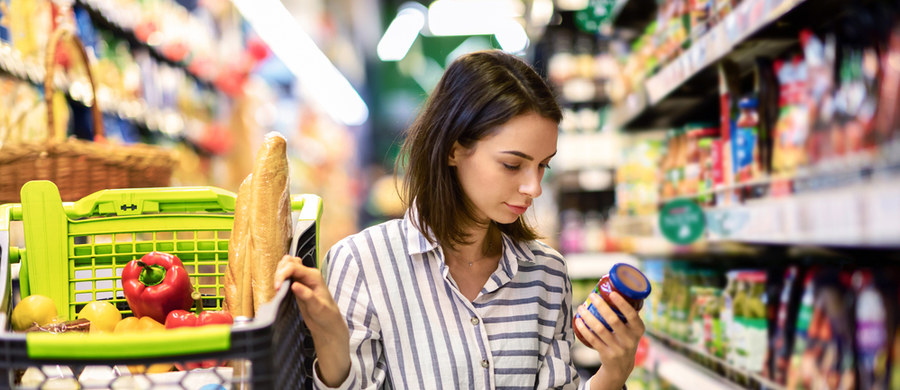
595,265
850,211
682,372
168,122
747,19
688,368
686,89
99,17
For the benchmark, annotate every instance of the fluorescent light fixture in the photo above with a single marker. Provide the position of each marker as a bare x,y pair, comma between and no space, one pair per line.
572,5
319,80
470,17
511,36
402,32
541,12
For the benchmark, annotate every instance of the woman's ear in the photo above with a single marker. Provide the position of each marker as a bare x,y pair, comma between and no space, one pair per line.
456,153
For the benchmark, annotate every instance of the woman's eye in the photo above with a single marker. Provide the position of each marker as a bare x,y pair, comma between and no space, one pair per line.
545,166
511,167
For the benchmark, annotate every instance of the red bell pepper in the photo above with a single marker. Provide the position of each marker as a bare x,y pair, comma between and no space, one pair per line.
156,284
179,318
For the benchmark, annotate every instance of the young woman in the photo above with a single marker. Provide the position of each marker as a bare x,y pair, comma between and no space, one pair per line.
459,294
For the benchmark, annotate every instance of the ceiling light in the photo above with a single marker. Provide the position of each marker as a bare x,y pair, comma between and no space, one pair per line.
319,80
468,17
511,36
541,12
572,5
402,32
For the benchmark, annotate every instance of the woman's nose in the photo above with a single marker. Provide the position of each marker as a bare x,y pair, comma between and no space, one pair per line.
532,185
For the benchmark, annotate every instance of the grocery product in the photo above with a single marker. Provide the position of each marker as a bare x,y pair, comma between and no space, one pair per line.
156,284
238,293
625,280
872,332
143,326
181,318
103,316
270,216
34,309
744,141
785,324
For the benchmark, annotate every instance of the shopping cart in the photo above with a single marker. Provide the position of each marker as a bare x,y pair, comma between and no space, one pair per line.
75,252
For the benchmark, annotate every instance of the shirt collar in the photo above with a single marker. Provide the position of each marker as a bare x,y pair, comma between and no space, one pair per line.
417,243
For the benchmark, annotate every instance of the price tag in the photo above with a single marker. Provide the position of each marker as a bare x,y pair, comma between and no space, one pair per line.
682,222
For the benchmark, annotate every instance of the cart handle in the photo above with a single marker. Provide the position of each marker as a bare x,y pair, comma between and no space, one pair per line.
171,342
137,201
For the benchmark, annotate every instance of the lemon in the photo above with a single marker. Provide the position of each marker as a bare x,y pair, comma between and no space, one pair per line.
103,316
33,309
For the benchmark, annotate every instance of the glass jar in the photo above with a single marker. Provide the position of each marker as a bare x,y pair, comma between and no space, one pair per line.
628,281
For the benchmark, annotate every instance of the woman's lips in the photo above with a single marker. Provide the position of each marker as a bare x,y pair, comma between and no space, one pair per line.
517,209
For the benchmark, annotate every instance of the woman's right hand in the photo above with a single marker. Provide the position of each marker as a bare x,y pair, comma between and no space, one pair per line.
322,317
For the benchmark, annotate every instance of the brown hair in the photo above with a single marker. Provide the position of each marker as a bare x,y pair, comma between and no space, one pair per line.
477,93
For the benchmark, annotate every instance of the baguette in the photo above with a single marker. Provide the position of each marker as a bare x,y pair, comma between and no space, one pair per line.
238,296
270,216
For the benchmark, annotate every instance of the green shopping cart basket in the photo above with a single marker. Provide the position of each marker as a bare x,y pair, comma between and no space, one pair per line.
75,252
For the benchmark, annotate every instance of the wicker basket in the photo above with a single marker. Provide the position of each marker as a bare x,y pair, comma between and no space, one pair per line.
79,167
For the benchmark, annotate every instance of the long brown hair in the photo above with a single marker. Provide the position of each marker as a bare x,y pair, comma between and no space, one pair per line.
477,93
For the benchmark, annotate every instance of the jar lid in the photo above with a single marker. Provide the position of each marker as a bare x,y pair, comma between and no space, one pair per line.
630,281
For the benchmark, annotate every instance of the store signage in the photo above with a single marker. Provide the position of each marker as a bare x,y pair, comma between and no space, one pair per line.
681,221
595,14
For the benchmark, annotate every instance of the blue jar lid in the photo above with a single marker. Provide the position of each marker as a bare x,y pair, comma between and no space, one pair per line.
749,102
630,281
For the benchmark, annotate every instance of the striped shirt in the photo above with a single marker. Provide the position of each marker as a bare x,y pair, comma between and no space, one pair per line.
411,327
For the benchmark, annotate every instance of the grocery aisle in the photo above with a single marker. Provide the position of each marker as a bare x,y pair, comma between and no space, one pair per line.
742,153
756,186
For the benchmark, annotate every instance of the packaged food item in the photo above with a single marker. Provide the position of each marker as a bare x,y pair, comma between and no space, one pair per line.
766,84
723,159
744,141
820,57
732,299
827,360
792,127
785,324
887,120
872,336
625,280
794,375
4,26
750,317
694,156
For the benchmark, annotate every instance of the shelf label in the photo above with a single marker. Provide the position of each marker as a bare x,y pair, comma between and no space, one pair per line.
681,221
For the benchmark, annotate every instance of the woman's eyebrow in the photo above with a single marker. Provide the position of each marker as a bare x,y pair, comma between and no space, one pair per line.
523,155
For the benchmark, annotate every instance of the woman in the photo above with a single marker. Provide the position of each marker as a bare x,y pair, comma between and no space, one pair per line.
459,294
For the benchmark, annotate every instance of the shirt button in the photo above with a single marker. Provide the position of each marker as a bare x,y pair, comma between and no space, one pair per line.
484,363
474,320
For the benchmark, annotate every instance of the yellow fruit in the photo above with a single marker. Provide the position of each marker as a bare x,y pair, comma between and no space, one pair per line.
33,309
103,316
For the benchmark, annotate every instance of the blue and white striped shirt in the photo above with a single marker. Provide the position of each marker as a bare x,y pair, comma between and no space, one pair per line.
411,327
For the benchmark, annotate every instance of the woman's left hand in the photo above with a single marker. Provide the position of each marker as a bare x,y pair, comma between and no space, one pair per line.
617,347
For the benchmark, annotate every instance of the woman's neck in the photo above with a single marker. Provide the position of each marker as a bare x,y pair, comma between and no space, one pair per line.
485,243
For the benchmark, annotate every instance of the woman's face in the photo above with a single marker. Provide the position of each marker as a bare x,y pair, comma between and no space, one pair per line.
502,172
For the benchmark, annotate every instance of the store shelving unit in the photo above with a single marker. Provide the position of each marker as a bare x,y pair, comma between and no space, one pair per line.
813,217
101,18
687,368
685,89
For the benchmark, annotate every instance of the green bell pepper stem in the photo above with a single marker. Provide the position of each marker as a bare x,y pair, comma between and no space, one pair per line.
151,275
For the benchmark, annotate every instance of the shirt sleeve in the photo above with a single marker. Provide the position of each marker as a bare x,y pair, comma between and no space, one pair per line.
556,369
346,282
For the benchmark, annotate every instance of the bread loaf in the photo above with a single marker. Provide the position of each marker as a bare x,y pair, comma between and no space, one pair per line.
270,216
238,295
